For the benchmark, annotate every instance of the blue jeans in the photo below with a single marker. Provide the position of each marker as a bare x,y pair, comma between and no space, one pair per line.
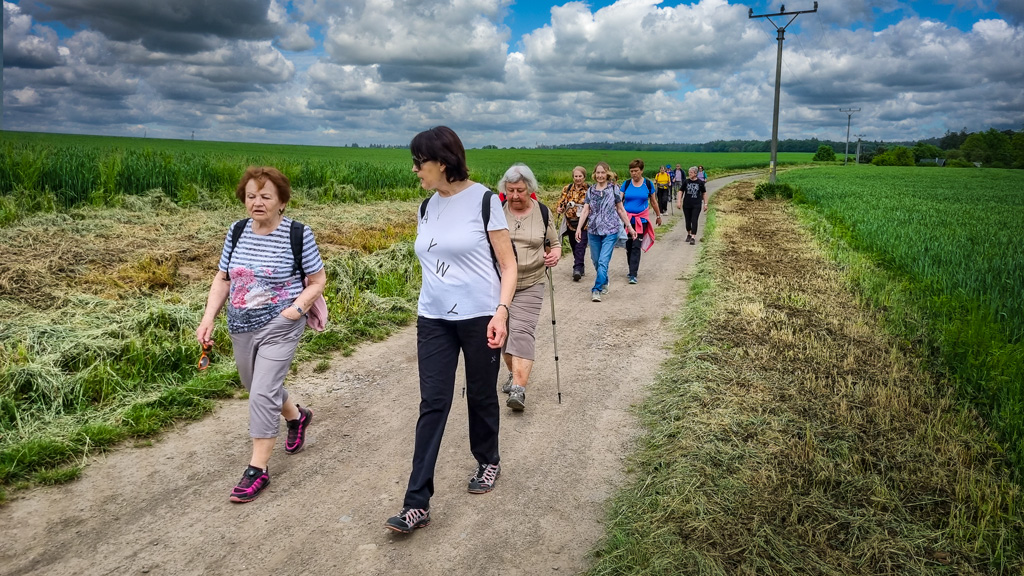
601,247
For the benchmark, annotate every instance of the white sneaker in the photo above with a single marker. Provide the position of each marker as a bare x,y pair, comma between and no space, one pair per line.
595,296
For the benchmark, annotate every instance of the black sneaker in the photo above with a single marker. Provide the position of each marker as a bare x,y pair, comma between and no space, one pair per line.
688,237
408,520
483,481
517,399
253,481
297,430
576,275
693,241
507,386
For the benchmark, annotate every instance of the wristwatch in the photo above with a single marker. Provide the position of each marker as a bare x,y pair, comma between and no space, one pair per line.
299,308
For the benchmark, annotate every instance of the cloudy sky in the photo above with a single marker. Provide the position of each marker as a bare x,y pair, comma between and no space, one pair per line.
509,72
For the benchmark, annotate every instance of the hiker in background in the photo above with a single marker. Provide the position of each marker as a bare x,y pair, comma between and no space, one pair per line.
677,179
701,175
537,247
693,197
463,307
601,215
570,203
663,182
638,198
261,282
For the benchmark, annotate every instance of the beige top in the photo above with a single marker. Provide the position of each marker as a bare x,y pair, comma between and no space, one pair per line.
528,236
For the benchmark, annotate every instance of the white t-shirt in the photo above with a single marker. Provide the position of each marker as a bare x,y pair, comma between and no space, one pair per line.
459,280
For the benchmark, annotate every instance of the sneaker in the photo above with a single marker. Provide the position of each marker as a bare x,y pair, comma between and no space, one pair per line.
408,520
595,296
576,275
689,237
517,399
483,481
297,430
253,481
632,279
693,242
507,386
604,290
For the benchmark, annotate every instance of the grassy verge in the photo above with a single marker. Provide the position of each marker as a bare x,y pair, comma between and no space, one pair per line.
789,434
100,306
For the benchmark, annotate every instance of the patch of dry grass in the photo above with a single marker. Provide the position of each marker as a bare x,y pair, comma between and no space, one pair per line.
791,435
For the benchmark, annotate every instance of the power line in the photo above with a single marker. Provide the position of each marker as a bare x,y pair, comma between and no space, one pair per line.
778,77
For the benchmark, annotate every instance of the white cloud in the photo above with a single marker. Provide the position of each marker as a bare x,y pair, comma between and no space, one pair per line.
380,70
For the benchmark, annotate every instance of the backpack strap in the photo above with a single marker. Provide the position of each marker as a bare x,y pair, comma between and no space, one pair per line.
423,206
236,233
296,234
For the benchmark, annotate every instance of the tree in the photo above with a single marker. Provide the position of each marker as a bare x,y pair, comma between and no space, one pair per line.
824,154
953,140
922,151
1017,146
992,148
898,156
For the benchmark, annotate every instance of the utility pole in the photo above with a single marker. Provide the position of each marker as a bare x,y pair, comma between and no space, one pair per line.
849,115
859,136
778,76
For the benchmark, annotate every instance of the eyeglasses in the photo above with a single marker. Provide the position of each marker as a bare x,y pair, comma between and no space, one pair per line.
419,162
204,358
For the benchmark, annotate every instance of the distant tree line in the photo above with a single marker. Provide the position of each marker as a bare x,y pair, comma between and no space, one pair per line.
991,149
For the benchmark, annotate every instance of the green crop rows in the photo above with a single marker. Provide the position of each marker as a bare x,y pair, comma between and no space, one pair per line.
954,240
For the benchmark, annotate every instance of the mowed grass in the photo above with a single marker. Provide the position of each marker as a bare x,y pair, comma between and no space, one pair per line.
790,434
947,264
100,305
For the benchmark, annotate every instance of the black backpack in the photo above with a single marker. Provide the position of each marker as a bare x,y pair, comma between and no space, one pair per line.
295,236
650,189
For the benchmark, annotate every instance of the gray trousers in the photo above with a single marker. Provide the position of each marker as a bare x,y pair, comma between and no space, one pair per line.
264,357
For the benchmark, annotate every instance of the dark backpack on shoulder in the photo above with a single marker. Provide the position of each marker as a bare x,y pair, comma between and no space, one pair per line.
295,237
485,214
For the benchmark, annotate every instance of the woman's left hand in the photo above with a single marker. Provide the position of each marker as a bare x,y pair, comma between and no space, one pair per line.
658,220
291,313
496,328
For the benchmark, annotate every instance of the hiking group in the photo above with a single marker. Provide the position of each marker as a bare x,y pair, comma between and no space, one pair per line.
484,262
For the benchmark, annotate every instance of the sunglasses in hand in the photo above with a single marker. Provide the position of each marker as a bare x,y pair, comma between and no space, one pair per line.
204,358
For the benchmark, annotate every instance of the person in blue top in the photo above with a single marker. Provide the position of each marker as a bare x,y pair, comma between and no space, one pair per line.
638,199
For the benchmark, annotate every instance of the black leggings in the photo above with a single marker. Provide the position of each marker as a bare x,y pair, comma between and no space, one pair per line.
691,212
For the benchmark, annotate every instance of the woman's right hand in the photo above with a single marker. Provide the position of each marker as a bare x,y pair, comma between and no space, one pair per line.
204,334
579,232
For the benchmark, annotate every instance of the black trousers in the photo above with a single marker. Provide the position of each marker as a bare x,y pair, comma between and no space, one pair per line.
438,343
691,212
664,195
634,249
579,249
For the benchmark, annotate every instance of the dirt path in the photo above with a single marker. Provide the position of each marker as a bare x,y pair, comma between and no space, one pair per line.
164,509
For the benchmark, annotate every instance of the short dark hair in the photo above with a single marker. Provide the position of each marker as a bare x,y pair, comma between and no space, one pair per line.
261,174
638,163
442,145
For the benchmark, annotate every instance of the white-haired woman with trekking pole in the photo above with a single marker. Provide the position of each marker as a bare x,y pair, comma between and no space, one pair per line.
537,248
462,242
261,282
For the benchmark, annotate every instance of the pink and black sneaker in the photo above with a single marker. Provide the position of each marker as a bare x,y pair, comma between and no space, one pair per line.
408,520
253,481
297,430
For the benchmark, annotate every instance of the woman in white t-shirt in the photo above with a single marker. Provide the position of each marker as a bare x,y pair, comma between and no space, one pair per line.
462,241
